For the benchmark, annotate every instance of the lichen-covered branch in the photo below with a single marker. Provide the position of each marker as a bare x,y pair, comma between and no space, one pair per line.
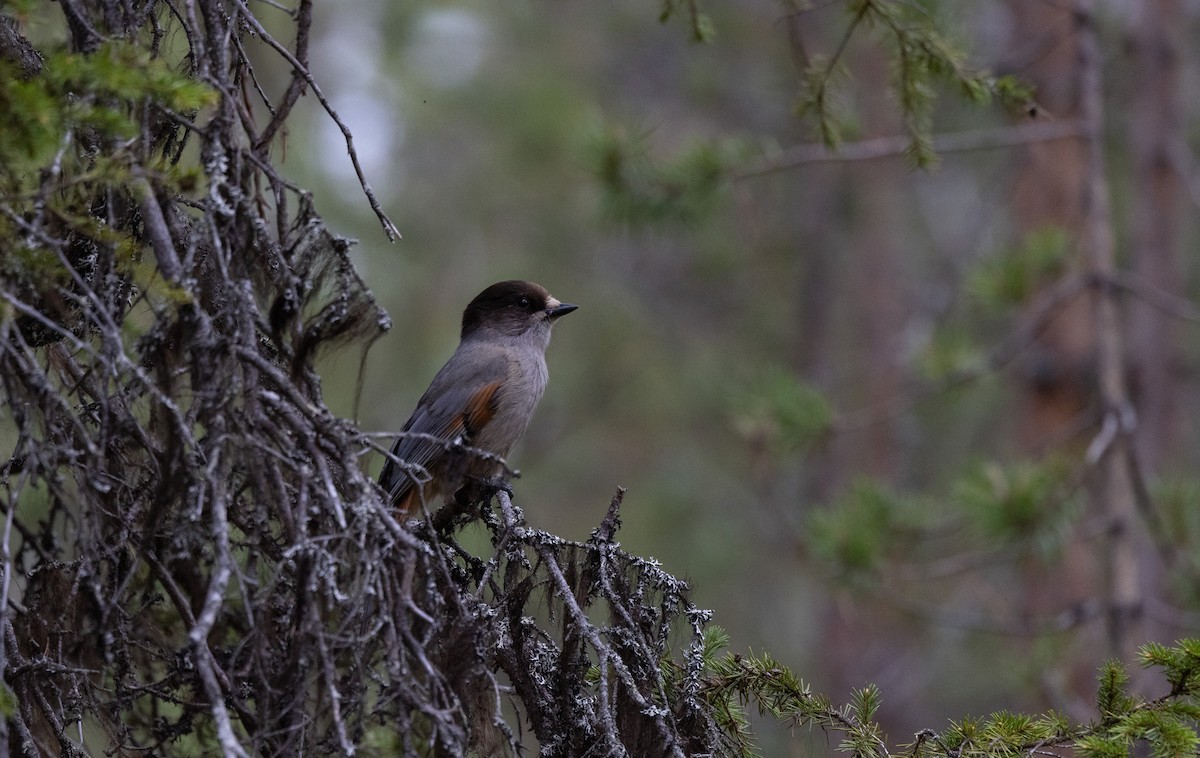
194,558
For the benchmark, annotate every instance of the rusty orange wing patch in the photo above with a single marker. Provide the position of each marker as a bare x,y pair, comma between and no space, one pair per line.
408,501
449,418
481,408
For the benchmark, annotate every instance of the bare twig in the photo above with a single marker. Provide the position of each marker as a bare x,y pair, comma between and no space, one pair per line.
156,229
896,146
389,228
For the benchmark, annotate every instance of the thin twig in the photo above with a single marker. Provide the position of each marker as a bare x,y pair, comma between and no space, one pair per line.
898,145
389,228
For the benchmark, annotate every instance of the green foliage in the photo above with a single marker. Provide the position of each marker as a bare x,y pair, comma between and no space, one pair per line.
733,681
921,56
41,267
1168,725
1097,746
123,70
865,702
33,131
996,285
855,535
866,738
700,24
951,353
1178,504
822,85
1028,505
1176,527
19,9
8,701
70,137
1012,277
1004,733
103,92
1181,664
1023,500
638,191
1012,93
714,639
727,708
783,413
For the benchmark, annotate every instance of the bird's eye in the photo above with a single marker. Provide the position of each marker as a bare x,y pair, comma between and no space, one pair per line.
523,303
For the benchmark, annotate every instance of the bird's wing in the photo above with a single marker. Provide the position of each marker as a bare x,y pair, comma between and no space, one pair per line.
458,403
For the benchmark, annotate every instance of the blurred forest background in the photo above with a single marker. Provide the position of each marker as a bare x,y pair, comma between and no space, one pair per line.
860,405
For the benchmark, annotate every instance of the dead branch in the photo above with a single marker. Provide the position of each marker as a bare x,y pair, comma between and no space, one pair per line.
194,556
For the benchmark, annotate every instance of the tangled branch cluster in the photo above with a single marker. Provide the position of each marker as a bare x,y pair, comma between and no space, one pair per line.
192,552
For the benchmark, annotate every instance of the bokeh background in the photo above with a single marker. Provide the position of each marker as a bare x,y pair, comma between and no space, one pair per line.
801,372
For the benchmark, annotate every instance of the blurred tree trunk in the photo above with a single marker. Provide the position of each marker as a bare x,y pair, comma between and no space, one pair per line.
1157,207
1114,496
1075,375
881,293
1153,132
877,304
877,313
1057,373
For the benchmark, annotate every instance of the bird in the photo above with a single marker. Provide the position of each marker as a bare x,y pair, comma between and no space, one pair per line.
479,404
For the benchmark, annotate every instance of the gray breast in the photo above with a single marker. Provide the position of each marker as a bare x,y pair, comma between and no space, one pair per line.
527,376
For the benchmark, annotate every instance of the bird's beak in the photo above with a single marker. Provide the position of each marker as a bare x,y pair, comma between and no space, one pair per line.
554,309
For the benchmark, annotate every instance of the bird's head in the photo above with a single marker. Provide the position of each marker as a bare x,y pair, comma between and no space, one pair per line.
513,309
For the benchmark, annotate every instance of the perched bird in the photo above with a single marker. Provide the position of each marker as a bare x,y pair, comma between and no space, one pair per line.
482,398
